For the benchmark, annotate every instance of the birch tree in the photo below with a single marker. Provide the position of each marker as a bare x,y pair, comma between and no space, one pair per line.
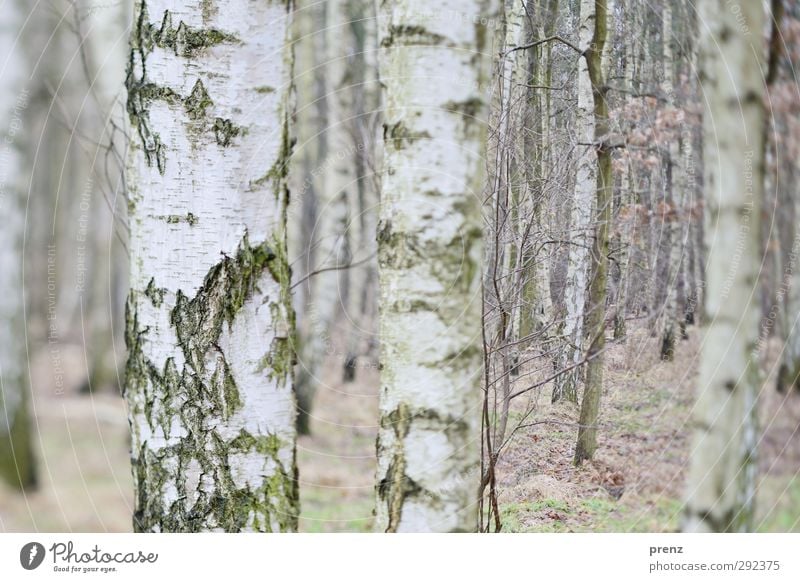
209,318
721,480
433,65
16,454
566,384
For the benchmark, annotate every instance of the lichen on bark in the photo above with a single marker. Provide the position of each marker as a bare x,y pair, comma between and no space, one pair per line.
209,325
201,394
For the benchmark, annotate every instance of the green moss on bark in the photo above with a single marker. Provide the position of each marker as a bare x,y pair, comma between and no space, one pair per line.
411,35
203,394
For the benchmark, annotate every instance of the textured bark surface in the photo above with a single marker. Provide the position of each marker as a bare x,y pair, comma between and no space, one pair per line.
209,319
16,454
721,480
566,385
433,68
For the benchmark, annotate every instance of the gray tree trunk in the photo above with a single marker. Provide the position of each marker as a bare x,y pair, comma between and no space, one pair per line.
566,384
17,465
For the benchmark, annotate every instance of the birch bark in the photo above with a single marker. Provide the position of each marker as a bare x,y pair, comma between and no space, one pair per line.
566,384
721,480
209,319
433,66
595,317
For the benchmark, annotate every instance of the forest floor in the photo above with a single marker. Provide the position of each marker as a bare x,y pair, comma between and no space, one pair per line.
634,484
636,481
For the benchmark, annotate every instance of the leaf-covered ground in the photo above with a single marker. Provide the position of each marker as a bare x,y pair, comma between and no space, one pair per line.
636,481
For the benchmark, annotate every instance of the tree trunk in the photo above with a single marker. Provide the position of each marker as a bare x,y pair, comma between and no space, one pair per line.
537,305
17,465
362,202
595,318
101,258
308,212
627,214
566,384
672,321
721,480
789,370
430,254
209,319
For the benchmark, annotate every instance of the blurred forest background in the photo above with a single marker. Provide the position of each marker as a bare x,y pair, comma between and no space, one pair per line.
64,236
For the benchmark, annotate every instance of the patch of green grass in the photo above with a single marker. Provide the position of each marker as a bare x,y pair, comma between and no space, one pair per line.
328,509
657,514
778,504
515,515
594,514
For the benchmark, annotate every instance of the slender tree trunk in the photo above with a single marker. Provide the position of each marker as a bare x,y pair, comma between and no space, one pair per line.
362,203
789,370
721,480
209,319
672,321
17,465
340,187
537,305
595,318
430,254
101,260
566,384
309,214
627,214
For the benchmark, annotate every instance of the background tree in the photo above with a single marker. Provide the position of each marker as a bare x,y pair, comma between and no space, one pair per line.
17,464
602,140
576,285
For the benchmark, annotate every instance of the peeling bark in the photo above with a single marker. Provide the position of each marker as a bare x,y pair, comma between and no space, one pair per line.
209,319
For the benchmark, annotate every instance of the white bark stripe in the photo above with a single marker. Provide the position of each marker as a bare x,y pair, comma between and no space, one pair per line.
209,319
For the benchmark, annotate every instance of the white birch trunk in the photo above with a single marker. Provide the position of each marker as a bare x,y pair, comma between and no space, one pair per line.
566,385
721,480
430,253
209,322
16,461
